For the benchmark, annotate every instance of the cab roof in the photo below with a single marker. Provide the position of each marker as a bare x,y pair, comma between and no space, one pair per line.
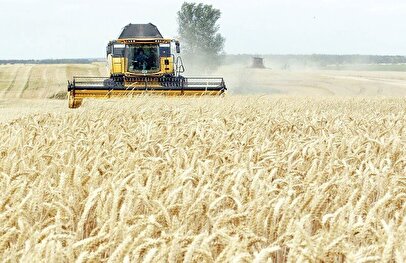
140,31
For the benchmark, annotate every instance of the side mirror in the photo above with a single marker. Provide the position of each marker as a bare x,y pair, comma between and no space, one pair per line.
177,44
108,49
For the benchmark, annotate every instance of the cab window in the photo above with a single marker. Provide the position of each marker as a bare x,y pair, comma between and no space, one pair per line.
118,50
143,58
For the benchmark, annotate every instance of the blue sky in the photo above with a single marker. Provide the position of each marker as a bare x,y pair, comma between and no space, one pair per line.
38,29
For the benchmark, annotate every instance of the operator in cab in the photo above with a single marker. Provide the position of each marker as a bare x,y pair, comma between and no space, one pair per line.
141,60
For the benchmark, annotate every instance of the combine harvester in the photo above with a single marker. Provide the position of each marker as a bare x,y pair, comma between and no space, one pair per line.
142,61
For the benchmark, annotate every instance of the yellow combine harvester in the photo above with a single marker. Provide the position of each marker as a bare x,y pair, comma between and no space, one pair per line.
142,61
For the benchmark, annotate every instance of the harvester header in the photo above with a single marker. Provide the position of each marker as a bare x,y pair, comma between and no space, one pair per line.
141,61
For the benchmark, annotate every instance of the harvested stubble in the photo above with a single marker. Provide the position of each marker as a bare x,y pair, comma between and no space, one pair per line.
225,179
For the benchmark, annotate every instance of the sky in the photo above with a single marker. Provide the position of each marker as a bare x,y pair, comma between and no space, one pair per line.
51,29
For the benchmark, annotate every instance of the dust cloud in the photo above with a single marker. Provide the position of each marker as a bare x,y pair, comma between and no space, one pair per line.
310,80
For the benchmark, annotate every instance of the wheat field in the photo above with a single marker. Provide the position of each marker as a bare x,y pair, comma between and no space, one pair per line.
234,179
39,81
29,81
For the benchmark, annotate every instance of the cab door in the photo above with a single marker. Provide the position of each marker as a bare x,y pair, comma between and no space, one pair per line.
166,59
118,59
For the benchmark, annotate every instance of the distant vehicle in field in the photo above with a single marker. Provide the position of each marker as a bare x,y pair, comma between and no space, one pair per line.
258,62
142,61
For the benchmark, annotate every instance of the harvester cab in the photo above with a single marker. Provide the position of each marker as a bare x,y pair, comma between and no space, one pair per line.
142,61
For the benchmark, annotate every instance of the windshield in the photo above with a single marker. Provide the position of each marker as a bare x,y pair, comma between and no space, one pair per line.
143,58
